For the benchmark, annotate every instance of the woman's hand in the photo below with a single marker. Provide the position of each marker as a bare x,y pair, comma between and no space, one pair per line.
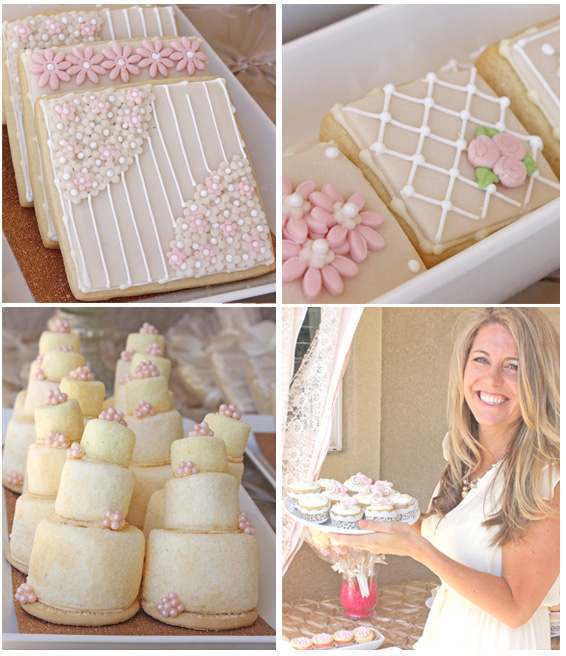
395,538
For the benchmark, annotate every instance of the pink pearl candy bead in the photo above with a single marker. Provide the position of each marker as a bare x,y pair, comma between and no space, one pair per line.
60,326
113,415
148,329
201,429
144,409
14,478
57,440
38,374
145,370
230,411
82,373
54,397
124,379
245,525
127,356
25,594
113,520
185,468
66,348
154,349
76,451
170,606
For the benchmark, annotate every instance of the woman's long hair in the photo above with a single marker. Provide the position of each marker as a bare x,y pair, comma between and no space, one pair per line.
536,445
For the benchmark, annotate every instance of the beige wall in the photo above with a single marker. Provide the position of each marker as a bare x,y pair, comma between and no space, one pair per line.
393,423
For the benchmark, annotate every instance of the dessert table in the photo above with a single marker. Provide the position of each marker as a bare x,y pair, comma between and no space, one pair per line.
400,615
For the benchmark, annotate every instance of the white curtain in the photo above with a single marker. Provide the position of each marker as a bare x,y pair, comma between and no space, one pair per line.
308,402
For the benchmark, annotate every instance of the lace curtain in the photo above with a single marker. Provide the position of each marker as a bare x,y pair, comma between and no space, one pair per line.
308,402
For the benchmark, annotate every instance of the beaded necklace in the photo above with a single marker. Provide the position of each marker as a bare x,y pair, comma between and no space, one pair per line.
467,485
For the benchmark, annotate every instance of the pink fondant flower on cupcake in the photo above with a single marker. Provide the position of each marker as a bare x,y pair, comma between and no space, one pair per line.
188,55
135,120
83,181
156,57
317,265
144,409
214,186
113,520
54,397
23,31
170,606
66,112
85,64
53,26
121,62
176,257
106,153
230,410
70,148
135,96
198,223
246,188
295,207
25,594
100,106
111,414
201,429
51,67
185,468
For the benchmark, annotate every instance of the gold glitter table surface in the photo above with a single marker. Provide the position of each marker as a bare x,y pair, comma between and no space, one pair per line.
400,615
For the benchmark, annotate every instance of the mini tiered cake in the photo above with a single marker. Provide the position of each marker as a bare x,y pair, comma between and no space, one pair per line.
86,562
227,424
59,423
201,570
80,385
58,354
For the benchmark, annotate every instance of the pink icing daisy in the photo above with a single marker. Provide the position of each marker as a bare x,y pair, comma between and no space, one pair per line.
342,221
254,242
214,186
85,64
66,348
135,96
198,223
106,153
51,67
23,31
88,30
71,148
295,207
66,112
135,120
156,57
82,181
100,106
246,188
229,228
206,252
176,257
187,55
53,26
121,62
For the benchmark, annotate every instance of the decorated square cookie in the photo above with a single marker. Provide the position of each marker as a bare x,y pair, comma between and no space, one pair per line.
448,157
100,64
164,196
340,242
526,68
57,28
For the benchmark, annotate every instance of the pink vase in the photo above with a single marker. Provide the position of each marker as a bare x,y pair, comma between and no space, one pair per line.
353,602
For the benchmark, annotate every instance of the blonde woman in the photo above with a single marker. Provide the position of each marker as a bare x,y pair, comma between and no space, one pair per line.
492,530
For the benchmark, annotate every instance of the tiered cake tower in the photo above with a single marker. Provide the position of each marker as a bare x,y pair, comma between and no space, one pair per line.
201,570
59,423
86,562
58,355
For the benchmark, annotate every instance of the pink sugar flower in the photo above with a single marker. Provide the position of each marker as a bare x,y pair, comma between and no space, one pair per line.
14,478
82,181
341,222
170,606
121,62
106,153
154,349
85,64
54,397
511,171
246,188
254,242
295,208
185,468
187,55
25,594
148,329
156,57
483,151
82,373
111,414
100,106
176,257
88,29
127,356
113,520
318,265
229,228
66,112
509,145
135,120
214,186
206,252
198,223
145,369
245,525
135,96
230,411
71,148
23,31
75,451
53,26
144,409
51,68
201,429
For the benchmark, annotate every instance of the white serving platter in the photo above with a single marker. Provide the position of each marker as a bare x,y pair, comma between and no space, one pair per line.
397,43
12,639
259,134
373,644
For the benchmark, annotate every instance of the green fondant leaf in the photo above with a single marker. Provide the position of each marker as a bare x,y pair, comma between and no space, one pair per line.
485,177
530,163
491,132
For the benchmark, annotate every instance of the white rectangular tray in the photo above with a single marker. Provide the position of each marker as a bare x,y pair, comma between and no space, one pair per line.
259,135
12,639
397,43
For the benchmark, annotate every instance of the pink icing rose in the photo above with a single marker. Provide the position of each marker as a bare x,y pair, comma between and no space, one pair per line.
106,153
101,106
122,62
349,501
511,171
113,415
66,112
170,606
51,68
214,186
156,57
82,181
483,151
85,64
187,55
509,144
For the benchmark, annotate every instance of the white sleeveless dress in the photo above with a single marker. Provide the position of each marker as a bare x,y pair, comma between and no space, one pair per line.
455,623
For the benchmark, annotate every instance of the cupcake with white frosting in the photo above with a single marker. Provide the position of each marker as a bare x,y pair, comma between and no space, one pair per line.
336,492
314,507
325,483
365,499
358,483
406,506
346,514
303,486
382,510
